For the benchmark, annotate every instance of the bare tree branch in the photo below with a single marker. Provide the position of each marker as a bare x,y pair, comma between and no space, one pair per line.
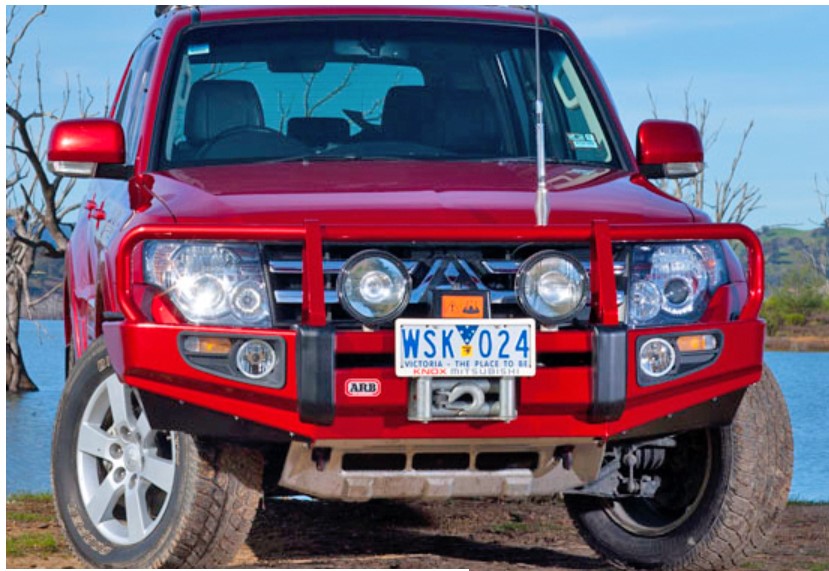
25,28
732,201
43,297
346,79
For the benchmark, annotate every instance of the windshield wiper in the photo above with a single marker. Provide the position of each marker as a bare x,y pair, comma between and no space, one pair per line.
552,160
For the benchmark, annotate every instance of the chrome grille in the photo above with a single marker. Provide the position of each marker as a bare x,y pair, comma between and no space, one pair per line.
433,267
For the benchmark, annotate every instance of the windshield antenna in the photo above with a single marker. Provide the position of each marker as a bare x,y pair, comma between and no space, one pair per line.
541,208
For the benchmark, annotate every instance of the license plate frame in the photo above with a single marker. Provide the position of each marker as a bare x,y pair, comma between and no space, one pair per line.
517,345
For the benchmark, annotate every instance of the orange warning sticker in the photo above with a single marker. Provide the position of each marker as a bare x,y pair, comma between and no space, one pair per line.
462,306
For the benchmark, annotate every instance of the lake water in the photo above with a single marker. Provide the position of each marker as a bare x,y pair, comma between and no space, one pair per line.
803,376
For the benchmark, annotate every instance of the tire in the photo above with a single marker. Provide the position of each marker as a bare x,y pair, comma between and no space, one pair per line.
742,493
129,496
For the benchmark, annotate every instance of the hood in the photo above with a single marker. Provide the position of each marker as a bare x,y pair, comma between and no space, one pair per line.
408,192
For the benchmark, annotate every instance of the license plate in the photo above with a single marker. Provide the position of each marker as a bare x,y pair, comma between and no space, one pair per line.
464,347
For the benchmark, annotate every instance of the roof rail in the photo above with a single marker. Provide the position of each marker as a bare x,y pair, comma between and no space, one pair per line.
160,9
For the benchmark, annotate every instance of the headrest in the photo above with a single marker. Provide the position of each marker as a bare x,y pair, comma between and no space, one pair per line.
457,120
465,122
406,111
318,131
215,106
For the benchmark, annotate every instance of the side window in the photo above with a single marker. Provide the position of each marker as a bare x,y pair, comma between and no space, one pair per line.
122,98
131,106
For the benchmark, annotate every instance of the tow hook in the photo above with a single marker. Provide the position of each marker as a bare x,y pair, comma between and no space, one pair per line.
321,457
565,455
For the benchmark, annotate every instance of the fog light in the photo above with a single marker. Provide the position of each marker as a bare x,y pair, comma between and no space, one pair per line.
255,359
656,357
693,343
207,345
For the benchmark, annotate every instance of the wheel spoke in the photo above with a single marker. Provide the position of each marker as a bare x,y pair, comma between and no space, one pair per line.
159,471
138,517
142,425
99,507
119,402
94,441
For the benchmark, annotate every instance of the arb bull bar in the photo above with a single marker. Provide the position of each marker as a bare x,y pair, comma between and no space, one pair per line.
596,397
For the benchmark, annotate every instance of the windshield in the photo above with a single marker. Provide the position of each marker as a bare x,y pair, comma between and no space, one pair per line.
374,90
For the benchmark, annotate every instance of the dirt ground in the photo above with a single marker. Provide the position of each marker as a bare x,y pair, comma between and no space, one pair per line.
484,535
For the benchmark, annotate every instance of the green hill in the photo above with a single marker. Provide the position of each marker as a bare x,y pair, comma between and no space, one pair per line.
789,250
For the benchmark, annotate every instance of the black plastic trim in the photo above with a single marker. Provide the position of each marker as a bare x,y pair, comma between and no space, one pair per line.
315,374
169,414
116,172
719,411
225,365
609,373
686,363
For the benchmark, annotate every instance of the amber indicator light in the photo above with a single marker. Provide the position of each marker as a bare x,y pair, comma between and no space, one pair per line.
207,345
694,343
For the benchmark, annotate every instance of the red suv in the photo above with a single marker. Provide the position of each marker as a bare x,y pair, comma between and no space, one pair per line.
324,252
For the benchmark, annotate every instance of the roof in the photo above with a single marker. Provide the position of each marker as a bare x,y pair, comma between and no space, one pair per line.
510,15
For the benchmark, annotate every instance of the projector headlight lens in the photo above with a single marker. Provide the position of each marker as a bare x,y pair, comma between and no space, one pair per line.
374,286
210,283
672,283
551,286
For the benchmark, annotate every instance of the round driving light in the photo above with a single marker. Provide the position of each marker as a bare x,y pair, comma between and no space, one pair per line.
255,359
374,287
656,357
551,286
248,302
645,301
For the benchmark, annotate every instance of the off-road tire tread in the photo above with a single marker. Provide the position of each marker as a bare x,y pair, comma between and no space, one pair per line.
218,510
757,490
223,506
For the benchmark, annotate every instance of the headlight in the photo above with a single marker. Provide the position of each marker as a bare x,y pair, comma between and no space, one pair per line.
210,283
551,286
374,286
672,283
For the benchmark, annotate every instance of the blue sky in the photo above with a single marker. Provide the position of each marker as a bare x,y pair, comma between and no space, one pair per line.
768,64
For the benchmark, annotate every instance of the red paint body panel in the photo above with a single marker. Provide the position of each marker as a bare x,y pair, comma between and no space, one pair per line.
87,141
416,192
660,142
553,403
463,202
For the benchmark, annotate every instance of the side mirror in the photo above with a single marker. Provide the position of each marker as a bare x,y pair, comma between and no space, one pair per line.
87,148
669,149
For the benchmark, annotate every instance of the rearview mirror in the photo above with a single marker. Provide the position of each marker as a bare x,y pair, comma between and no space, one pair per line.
87,148
669,149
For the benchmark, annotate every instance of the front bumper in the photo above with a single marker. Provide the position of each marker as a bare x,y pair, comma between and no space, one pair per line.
560,401
580,392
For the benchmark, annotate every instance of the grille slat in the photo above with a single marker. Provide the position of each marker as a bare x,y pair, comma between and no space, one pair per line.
433,267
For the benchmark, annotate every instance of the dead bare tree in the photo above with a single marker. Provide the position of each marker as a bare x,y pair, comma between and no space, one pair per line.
823,203
36,201
733,200
815,249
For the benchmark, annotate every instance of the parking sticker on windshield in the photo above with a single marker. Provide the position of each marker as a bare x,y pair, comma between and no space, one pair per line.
580,141
198,50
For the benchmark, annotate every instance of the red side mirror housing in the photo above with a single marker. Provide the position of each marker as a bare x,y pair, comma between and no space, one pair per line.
78,147
669,149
